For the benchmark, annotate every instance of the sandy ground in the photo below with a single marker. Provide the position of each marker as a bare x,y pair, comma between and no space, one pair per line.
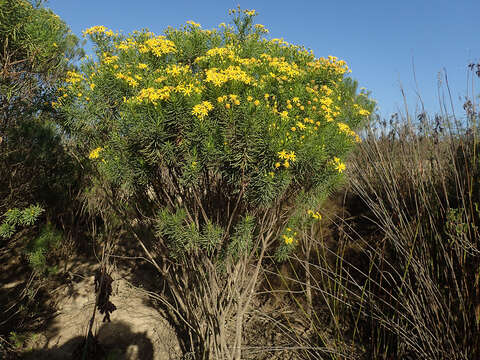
137,331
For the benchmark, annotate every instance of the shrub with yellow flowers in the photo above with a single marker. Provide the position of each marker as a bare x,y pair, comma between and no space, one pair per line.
223,136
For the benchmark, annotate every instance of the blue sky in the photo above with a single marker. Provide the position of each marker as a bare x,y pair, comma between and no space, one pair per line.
380,40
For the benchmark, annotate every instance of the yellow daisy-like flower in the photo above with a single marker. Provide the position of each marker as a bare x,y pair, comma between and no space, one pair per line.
193,23
288,239
282,154
339,165
256,102
315,214
201,110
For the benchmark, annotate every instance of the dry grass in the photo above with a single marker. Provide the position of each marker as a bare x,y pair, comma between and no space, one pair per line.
394,273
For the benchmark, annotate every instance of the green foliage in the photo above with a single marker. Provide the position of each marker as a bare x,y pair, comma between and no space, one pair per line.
16,217
18,340
213,143
242,237
39,248
209,115
38,45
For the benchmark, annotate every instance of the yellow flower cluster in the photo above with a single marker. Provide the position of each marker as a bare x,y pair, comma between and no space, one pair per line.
227,53
176,70
261,29
187,89
201,110
314,214
131,81
106,59
95,30
233,99
193,24
126,44
223,52
281,66
73,77
346,130
152,95
158,45
287,157
279,42
338,67
289,237
95,153
219,77
338,164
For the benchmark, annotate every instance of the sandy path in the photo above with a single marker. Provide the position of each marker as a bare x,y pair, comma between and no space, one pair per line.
137,331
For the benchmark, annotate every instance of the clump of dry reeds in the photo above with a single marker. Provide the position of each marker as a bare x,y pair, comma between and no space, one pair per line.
400,275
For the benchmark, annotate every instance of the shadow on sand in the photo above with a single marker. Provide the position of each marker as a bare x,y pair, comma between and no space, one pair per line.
114,341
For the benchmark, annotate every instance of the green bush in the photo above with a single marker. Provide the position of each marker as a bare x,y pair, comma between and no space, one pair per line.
220,142
16,217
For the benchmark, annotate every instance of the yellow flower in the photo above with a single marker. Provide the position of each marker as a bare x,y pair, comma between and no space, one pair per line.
249,98
339,165
227,105
301,126
94,30
283,154
288,239
193,23
289,106
256,102
261,28
142,66
316,215
95,153
277,164
201,110
363,112
286,164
